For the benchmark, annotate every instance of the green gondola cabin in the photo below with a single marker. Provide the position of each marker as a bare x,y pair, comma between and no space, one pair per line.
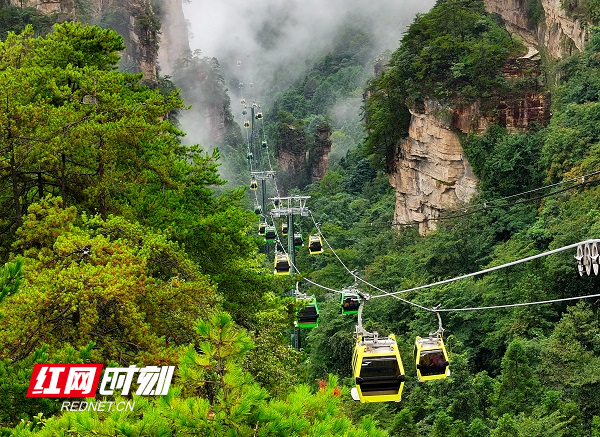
308,315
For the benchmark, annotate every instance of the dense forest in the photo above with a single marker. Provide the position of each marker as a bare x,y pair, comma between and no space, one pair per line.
122,245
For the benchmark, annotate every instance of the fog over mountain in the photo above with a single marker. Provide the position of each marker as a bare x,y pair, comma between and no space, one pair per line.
268,45
272,34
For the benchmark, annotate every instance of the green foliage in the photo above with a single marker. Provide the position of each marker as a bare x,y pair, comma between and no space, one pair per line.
237,405
112,283
15,19
451,54
11,278
505,163
14,382
587,10
517,384
535,12
83,128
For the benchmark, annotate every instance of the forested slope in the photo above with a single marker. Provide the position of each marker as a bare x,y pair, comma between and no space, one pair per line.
123,248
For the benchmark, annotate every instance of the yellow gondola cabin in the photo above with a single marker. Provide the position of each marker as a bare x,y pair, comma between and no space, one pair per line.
377,369
315,245
282,264
431,358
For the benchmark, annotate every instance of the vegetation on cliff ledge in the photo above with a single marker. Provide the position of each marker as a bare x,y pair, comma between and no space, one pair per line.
451,54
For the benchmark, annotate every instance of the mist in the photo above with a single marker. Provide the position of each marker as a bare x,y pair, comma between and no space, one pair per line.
267,45
271,34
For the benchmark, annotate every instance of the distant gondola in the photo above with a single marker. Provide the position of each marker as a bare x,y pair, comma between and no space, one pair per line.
315,245
350,302
307,316
298,241
431,358
282,264
270,234
284,229
262,227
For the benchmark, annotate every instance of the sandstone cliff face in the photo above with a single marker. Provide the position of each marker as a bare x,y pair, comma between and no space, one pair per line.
136,21
430,172
291,156
557,33
300,163
174,41
318,159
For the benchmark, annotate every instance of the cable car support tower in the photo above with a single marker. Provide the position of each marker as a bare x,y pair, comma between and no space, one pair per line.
288,207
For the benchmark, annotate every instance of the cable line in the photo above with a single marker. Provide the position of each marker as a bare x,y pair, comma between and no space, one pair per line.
481,272
355,276
490,204
540,302
491,269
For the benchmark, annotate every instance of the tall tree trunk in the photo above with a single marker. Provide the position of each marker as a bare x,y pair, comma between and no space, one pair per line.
63,180
102,196
16,192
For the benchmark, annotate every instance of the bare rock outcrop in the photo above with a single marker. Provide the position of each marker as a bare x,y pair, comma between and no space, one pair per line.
552,29
430,171
318,159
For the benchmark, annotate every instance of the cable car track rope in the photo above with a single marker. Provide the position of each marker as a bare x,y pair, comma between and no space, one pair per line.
473,274
491,204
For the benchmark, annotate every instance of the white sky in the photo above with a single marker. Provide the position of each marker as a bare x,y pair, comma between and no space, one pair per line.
229,29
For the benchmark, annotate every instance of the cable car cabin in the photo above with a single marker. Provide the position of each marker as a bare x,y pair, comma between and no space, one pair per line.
262,227
284,229
282,264
246,123
257,209
308,316
253,185
264,144
298,241
431,359
350,303
270,234
315,245
377,370
258,116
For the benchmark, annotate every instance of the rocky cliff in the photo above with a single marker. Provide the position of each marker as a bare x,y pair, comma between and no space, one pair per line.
302,158
544,24
291,155
318,157
429,170
138,21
